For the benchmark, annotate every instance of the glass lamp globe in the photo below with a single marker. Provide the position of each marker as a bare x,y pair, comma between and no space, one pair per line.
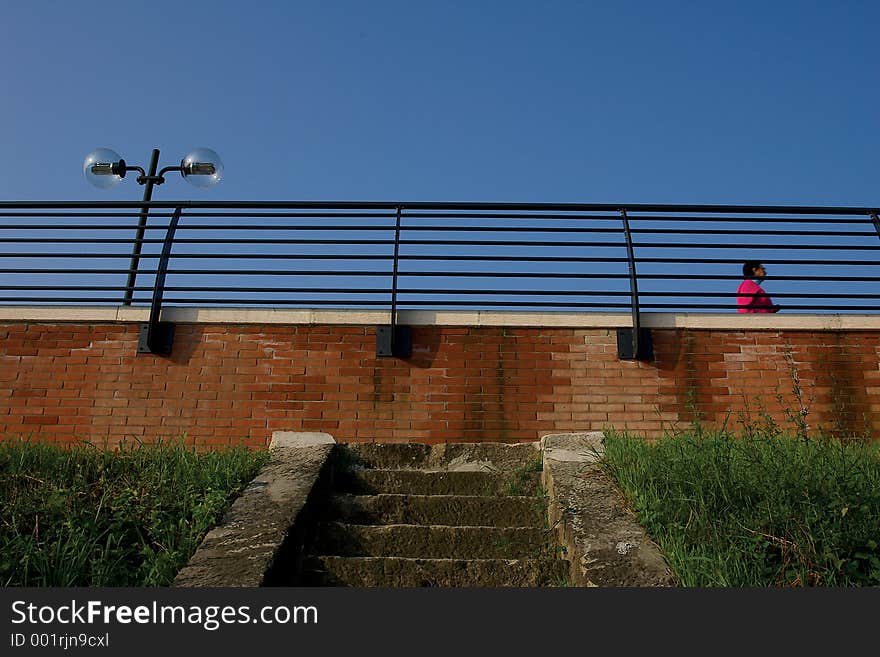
99,165
202,167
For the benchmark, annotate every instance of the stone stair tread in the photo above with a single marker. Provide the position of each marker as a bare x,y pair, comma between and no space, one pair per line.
333,570
524,528
451,456
419,482
466,510
345,539
450,495
415,526
458,560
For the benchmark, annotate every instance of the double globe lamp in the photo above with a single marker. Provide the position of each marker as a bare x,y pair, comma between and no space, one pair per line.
105,168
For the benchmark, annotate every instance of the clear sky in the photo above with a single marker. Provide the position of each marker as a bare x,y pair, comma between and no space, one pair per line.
769,102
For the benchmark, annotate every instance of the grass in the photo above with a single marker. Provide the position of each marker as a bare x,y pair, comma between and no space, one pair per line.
756,510
522,479
83,516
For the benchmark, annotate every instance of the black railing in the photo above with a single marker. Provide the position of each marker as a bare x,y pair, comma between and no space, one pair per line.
399,256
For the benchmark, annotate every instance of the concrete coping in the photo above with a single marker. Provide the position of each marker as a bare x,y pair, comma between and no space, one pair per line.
605,544
288,439
196,315
242,549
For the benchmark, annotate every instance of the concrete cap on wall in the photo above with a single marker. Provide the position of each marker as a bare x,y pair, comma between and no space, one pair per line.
300,439
584,447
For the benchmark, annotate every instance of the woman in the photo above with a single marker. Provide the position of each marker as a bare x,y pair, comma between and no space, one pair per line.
751,296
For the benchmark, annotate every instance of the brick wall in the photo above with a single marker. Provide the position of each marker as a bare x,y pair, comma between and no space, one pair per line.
227,383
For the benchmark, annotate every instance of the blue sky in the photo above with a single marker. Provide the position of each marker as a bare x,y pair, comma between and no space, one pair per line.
605,102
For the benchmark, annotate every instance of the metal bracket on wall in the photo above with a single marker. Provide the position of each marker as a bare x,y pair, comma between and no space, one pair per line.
157,337
394,341
629,348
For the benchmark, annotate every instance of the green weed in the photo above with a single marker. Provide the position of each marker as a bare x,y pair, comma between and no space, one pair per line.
758,509
84,516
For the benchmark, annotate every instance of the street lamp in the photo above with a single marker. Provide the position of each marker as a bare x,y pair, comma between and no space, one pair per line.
105,168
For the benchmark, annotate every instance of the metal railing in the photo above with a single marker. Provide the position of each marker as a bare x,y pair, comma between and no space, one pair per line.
396,256
530,252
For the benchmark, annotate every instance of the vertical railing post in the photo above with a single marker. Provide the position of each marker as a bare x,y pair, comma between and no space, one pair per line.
394,340
157,337
634,345
142,225
395,269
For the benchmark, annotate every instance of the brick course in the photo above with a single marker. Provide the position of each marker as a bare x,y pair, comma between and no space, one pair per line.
229,383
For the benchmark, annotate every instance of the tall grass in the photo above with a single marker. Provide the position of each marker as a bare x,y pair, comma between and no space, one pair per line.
84,516
756,510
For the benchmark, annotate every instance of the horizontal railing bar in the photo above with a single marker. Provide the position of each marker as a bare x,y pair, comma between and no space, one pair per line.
627,293
294,215
114,300
32,270
411,206
565,304
450,274
400,302
506,243
673,231
199,228
322,302
289,227
774,261
241,256
754,247
196,288
450,258
531,302
512,216
729,306
520,230
720,277
801,220
447,291
214,215
65,288
97,215
203,302
184,240
777,220
438,303
438,229
835,220
212,272
561,304
504,229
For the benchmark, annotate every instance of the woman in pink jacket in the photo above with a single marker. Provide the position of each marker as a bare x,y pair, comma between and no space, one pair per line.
751,296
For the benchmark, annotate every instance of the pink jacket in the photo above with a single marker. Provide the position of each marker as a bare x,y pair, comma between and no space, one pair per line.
761,303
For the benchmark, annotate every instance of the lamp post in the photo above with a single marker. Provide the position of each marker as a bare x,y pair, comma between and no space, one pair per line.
104,168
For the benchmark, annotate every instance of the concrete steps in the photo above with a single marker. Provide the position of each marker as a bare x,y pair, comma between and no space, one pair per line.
445,515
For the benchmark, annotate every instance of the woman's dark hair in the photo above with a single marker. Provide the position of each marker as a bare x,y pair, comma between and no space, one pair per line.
749,268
